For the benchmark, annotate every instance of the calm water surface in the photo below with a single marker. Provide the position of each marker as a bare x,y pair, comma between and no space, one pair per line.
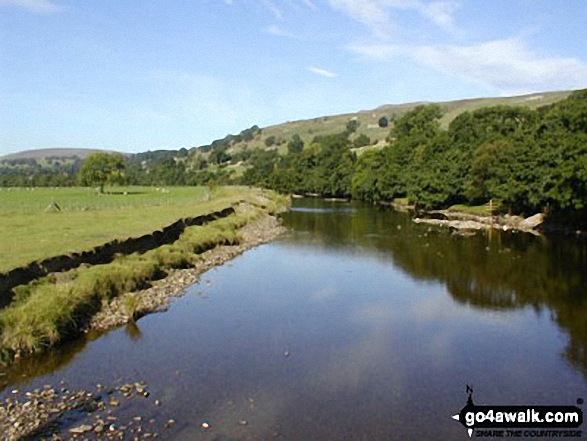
383,323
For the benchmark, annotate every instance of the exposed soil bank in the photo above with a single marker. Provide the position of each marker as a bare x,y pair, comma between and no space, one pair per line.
101,254
158,296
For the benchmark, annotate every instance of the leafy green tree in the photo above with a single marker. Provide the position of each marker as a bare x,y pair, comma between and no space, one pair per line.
220,155
270,140
101,169
296,145
352,126
383,122
366,176
168,172
361,141
422,121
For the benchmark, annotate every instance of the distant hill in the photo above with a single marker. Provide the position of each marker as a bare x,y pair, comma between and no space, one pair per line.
277,136
373,136
50,153
368,119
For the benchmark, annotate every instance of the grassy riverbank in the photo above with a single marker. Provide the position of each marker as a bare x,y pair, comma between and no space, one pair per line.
49,310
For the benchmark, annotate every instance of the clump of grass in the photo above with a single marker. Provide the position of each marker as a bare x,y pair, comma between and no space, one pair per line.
131,304
168,256
478,210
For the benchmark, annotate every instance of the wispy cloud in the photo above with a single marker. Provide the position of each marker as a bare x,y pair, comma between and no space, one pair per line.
276,30
441,13
274,9
310,4
39,6
507,66
322,72
371,13
377,15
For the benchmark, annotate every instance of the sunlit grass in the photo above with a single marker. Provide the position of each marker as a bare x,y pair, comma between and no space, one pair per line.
29,233
48,310
478,210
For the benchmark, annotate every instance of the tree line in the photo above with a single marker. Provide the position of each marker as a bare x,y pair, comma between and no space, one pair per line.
528,160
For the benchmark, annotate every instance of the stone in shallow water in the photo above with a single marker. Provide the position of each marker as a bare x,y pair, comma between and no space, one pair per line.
80,429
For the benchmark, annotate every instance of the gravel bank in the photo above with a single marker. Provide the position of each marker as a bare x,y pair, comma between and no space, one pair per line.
160,294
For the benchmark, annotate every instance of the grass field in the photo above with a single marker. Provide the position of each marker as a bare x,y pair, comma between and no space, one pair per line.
28,232
48,310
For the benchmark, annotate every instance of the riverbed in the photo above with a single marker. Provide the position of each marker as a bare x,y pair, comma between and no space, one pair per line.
358,324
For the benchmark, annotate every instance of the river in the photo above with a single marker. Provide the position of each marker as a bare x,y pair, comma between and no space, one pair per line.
357,325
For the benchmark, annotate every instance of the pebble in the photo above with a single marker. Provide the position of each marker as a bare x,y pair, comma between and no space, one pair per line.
21,415
81,429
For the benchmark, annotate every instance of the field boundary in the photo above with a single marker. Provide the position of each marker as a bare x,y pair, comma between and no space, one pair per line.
102,254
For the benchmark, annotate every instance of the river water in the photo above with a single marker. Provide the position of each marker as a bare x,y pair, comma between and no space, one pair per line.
357,325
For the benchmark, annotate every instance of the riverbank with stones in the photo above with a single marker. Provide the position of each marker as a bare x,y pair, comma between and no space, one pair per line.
158,297
57,413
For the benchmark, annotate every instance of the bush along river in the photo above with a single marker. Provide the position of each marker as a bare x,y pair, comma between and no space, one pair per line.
358,324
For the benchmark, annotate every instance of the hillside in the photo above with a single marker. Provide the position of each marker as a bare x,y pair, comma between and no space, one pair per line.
226,160
368,119
276,137
50,153
308,129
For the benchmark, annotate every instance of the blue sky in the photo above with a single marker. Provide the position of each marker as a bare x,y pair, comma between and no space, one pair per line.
153,74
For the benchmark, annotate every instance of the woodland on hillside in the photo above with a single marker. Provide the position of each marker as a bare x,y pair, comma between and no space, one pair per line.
528,160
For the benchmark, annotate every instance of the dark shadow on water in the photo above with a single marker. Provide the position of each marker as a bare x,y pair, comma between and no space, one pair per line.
133,331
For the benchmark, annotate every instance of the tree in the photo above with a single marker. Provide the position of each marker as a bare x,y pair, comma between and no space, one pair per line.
352,126
383,122
102,168
220,155
296,145
361,141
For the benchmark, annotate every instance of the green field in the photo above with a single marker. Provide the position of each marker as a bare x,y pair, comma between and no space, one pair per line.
30,232
50,309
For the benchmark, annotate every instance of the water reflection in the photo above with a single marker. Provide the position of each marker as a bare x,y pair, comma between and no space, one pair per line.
133,331
381,319
497,271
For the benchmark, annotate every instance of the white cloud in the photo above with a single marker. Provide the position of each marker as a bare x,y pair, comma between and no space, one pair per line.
274,9
276,30
377,14
32,5
507,66
322,72
440,13
383,52
371,13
